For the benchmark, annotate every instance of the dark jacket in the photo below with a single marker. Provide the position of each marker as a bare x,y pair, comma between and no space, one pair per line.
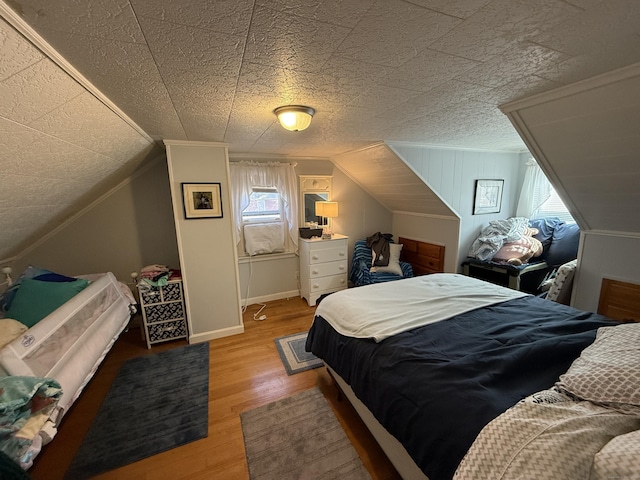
379,245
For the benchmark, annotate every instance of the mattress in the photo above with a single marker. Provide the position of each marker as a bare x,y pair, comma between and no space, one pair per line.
69,344
436,386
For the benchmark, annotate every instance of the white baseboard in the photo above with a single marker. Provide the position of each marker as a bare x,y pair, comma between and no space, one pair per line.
223,332
272,297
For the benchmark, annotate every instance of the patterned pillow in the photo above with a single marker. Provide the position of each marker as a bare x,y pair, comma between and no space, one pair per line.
559,292
620,458
608,371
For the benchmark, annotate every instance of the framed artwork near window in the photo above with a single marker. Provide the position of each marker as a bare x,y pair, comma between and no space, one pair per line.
488,197
202,200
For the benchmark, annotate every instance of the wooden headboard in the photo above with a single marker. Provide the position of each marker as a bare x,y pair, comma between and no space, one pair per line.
620,300
424,257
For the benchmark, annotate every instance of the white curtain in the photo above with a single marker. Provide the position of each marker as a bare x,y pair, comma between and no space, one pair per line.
282,176
536,189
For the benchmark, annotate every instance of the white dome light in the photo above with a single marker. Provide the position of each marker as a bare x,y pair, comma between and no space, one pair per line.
294,117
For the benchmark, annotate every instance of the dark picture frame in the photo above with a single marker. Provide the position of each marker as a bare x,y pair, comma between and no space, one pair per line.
202,200
488,196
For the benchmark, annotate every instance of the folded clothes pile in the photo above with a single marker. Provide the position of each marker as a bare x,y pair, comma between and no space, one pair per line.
156,275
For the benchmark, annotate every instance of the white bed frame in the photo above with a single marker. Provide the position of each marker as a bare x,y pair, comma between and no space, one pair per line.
394,450
69,344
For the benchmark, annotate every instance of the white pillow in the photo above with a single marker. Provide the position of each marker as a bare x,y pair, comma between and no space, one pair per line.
394,261
10,329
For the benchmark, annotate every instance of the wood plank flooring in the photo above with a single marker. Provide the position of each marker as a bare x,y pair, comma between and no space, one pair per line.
245,372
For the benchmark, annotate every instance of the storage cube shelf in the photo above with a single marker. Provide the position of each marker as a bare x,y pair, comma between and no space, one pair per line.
163,312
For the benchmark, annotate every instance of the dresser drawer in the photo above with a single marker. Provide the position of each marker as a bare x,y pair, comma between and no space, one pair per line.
327,255
326,269
167,330
335,282
163,311
150,294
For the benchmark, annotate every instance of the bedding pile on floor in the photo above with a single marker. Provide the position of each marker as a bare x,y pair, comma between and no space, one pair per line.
25,406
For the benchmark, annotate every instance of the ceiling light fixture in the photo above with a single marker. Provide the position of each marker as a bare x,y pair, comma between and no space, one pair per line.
294,117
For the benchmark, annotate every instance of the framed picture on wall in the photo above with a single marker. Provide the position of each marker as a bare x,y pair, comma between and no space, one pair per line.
202,200
488,198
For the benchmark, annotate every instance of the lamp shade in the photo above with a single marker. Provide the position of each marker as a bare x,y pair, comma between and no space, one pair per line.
294,117
327,209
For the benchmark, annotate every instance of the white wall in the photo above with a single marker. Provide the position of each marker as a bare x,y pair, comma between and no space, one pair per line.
432,229
604,255
208,258
268,277
452,175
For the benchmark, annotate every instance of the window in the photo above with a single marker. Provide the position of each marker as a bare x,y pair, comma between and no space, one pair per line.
553,207
263,199
538,198
265,205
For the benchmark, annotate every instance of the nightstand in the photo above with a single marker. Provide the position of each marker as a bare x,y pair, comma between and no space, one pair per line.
323,266
163,312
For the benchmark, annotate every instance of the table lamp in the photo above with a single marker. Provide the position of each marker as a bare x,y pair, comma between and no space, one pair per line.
326,210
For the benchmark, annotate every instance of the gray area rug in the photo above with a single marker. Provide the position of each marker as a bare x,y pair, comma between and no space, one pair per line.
299,437
157,402
294,357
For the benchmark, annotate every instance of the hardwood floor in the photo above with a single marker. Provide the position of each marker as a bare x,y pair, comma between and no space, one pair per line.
245,372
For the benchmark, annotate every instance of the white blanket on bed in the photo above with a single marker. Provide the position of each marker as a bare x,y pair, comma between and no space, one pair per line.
382,310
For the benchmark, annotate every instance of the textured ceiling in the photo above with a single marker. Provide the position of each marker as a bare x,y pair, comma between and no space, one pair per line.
60,147
430,71
426,71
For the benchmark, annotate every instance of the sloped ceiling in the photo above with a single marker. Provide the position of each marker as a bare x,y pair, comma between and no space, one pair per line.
57,144
586,137
427,71
390,180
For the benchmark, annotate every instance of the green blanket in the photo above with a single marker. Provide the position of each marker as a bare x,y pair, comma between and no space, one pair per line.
25,404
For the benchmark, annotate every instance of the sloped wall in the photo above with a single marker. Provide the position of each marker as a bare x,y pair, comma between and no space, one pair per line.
128,228
418,212
396,186
586,138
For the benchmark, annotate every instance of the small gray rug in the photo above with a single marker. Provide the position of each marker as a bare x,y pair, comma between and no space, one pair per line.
299,437
156,402
293,355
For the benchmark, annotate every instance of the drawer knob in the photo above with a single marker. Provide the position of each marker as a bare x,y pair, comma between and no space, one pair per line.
342,280
315,285
314,272
341,254
341,267
315,257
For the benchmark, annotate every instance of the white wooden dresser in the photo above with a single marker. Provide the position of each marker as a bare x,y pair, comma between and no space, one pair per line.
323,266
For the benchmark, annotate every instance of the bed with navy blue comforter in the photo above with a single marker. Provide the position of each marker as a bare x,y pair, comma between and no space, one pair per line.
434,387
